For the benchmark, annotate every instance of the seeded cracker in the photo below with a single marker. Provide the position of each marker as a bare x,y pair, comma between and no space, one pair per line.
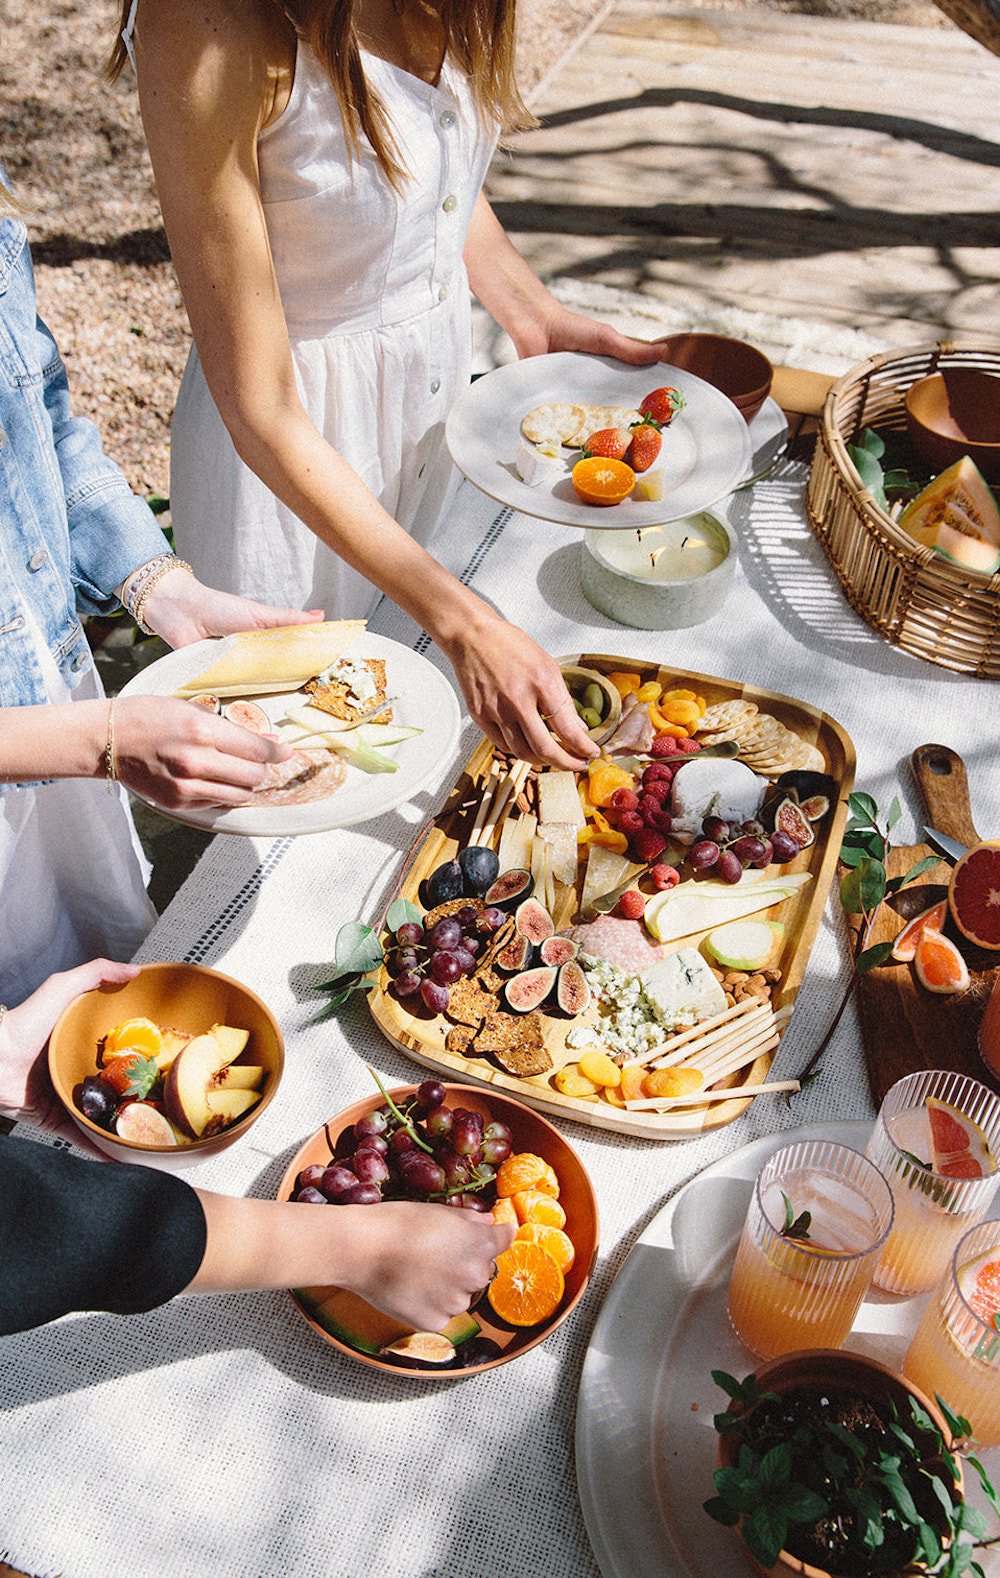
335,698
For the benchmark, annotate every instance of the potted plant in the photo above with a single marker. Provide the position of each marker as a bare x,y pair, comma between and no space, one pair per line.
831,1464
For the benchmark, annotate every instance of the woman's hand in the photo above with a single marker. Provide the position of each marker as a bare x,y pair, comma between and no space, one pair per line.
182,609
563,330
516,693
181,756
24,1031
421,1263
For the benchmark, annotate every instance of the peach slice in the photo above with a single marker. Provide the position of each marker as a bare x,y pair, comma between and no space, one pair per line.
226,1107
188,1081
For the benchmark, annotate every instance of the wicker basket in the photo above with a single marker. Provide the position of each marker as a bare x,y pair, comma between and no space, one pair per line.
909,594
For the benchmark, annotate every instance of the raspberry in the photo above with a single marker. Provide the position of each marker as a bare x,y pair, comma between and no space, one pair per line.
648,843
688,747
653,813
630,822
657,772
664,876
631,905
663,745
624,800
659,790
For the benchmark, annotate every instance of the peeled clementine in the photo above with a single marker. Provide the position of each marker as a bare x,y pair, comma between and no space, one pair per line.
534,1205
528,1286
603,481
133,1035
553,1240
523,1170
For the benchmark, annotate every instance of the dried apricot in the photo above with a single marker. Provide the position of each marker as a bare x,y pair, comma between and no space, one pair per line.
528,1286
624,683
633,1075
599,1067
553,1240
571,1082
678,1081
604,779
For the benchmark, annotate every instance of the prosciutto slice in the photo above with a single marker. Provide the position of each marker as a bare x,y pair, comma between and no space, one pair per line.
626,944
307,775
634,734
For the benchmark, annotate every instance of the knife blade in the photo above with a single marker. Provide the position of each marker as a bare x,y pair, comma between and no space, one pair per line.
950,848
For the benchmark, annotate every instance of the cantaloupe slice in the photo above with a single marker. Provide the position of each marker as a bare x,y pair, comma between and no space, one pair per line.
957,516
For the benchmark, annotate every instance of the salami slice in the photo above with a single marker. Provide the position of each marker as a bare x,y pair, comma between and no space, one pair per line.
624,943
307,775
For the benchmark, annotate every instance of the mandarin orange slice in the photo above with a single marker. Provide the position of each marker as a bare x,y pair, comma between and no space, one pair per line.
533,1205
553,1240
528,1286
133,1035
520,1171
503,1211
603,481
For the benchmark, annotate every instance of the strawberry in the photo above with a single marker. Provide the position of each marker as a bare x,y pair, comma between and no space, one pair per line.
131,1075
608,443
645,445
662,404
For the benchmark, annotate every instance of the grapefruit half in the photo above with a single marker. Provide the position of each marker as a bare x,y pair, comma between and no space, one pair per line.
979,1284
931,919
959,1148
974,895
938,963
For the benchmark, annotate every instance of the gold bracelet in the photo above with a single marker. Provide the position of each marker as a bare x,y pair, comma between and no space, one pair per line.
157,576
110,761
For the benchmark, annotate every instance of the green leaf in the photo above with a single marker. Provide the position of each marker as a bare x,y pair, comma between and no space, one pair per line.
871,958
802,1505
850,856
729,1384
143,1072
157,503
915,871
846,1439
862,805
726,1423
873,443
870,473
872,877
928,1544
401,913
721,1512
957,1423
900,1495
984,1480
850,889
357,949
893,814
345,988
776,1466
903,1436
765,1531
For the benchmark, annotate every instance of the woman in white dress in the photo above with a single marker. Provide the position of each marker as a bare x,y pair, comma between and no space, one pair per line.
319,167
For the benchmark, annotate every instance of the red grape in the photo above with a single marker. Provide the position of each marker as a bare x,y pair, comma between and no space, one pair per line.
728,866
434,995
311,1196
445,968
490,920
704,854
309,1177
446,933
403,959
409,934
715,829
371,1124
765,858
362,1194
336,1181
370,1167
496,1150
466,1136
438,1123
783,846
748,850
430,1095
467,917
423,1175
466,960
407,984
401,1141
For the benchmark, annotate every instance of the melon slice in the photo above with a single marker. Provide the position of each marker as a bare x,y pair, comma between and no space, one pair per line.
939,965
959,1148
957,516
974,895
979,1283
932,919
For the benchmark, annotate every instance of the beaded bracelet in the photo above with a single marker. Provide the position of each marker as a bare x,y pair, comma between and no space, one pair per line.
140,583
110,760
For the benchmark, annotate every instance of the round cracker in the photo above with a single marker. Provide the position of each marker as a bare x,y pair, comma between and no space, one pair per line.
555,422
726,715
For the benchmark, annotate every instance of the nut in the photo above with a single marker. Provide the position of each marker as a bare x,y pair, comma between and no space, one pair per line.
735,977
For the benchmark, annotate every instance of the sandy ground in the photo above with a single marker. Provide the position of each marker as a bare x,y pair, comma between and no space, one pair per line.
73,146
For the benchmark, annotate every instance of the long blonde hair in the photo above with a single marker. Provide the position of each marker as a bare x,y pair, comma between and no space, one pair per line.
479,37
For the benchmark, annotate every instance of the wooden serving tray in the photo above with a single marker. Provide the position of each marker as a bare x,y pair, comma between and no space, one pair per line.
423,1038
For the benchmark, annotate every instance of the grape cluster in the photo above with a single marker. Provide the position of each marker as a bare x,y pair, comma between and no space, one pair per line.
425,963
728,848
420,1151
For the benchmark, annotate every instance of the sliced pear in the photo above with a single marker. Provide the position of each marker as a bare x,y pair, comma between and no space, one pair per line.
231,1040
239,1076
228,1106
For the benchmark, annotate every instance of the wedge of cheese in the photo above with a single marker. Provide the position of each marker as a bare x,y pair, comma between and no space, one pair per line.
562,842
256,662
559,799
682,984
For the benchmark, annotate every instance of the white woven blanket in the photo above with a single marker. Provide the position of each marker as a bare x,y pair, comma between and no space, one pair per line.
219,1438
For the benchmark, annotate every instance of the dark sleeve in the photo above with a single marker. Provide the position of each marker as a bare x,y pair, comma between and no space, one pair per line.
83,1235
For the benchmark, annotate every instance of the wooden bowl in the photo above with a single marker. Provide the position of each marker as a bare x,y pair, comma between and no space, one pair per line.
531,1132
188,997
742,372
577,679
956,412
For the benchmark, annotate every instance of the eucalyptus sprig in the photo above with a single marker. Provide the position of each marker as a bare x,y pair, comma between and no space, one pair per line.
865,851
358,954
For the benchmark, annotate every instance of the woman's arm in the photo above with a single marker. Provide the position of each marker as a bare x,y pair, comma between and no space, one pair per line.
536,322
207,82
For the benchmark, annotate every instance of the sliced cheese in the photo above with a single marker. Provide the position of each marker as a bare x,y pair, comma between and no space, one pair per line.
681,985
256,661
605,870
562,842
559,799
684,910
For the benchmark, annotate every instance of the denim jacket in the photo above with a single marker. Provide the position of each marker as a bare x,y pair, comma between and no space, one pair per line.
70,527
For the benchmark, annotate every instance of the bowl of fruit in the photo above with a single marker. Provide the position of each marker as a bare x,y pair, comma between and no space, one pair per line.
458,1147
168,1068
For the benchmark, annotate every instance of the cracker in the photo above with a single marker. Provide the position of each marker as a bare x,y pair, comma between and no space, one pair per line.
597,417
522,1062
555,422
503,1032
468,1004
459,1040
333,696
726,715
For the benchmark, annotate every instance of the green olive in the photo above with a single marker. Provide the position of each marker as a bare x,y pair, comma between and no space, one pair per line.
578,704
593,697
591,717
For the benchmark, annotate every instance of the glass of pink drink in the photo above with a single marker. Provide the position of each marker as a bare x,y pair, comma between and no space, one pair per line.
789,1292
956,1349
936,1140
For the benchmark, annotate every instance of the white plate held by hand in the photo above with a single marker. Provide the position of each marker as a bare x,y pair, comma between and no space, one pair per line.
706,449
425,701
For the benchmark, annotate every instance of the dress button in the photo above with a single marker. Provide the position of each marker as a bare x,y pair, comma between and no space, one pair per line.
447,119
450,203
435,385
442,292
38,559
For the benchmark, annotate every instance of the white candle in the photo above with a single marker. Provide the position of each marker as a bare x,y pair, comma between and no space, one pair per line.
681,550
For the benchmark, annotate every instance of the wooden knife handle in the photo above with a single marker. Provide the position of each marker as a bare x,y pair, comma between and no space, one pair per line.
940,773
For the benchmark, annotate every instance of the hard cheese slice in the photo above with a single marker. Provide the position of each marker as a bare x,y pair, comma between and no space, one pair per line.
259,661
559,799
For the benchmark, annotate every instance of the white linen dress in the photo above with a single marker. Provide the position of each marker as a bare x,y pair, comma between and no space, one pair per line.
376,300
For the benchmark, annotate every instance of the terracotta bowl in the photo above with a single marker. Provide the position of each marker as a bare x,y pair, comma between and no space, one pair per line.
956,412
577,679
531,1132
738,369
188,997
832,1367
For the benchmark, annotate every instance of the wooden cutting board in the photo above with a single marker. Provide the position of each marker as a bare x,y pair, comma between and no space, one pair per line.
904,1026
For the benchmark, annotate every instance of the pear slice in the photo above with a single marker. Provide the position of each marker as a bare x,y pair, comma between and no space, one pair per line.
228,1106
188,1081
239,1076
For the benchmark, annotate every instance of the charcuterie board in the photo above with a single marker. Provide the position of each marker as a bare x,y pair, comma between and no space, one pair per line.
449,1043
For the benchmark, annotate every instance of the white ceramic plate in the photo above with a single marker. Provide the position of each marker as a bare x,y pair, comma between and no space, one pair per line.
645,1445
706,449
768,441
425,700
